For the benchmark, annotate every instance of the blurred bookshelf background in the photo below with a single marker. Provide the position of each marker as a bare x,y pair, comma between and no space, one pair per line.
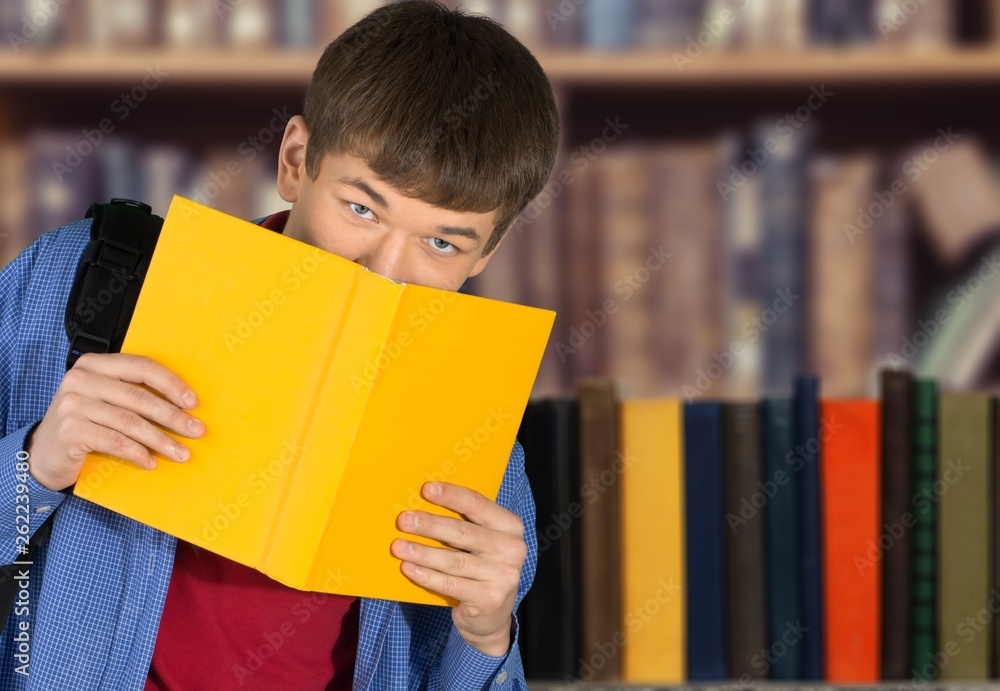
746,189
744,145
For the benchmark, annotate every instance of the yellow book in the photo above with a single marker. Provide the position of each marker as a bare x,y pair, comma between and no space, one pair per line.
330,394
653,645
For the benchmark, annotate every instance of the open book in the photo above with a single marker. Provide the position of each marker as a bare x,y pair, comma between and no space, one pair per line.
330,394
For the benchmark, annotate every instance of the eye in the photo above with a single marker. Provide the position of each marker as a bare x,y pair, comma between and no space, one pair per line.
443,246
362,211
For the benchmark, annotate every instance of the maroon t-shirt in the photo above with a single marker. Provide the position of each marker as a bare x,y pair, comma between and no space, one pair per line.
227,626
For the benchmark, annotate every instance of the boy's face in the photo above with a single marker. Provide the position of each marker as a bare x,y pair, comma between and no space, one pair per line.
348,211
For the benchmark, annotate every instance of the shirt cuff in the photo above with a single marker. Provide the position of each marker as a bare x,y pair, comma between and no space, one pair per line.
41,501
464,667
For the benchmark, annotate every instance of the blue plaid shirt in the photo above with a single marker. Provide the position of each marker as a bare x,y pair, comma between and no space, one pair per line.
93,619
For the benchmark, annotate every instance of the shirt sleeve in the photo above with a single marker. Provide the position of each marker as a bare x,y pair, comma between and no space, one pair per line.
21,496
462,666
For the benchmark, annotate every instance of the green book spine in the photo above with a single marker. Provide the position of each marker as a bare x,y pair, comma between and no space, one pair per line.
964,489
923,564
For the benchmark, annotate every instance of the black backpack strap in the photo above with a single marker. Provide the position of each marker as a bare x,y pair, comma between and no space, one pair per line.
107,284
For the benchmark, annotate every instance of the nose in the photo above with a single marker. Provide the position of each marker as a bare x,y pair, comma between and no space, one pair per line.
386,256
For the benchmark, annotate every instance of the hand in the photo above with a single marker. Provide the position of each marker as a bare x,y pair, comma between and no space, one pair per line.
482,572
98,407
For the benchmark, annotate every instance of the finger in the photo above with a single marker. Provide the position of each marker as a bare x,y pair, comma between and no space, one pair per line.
461,589
105,440
136,428
153,408
474,506
139,400
139,369
451,561
456,532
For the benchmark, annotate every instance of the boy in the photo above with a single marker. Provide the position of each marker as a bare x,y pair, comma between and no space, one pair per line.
425,133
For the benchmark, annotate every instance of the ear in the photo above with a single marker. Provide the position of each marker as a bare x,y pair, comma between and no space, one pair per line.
292,159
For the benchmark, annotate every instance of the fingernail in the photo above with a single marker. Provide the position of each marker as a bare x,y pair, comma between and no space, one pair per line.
433,489
181,453
195,426
413,519
405,547
190,400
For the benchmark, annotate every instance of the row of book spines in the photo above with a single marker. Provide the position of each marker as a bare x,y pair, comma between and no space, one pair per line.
35,200
181,24
854,503
696,27
601,24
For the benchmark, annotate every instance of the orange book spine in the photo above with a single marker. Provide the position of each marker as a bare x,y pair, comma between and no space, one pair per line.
852,540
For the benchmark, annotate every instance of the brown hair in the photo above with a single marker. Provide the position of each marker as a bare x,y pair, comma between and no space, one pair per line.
445,107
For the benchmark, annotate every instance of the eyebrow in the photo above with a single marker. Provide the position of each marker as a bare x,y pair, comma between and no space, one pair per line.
463,232
359,184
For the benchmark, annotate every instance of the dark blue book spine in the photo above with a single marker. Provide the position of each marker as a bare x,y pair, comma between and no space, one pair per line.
808,449
706,547
779,498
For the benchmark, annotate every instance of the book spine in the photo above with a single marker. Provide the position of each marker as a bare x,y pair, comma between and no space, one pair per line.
923,568
784,549
783,193
652,548
746,582
851,512
705,528
809,445
897,401
600,554
963,489
995,525
325,451
842,315
609,24
550,619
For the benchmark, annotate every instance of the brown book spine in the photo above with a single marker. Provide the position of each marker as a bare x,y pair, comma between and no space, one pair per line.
897,510
745,549
600,631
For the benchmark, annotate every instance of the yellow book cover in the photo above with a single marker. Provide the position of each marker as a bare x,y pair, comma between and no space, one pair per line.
652,542
330,394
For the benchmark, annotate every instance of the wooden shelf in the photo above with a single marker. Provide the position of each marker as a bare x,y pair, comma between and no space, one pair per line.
216,68
222,69
856,66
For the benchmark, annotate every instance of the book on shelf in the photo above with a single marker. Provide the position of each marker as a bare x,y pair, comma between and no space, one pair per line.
784,534
809,448
842,319
963,491
550,612
747,563
705,539
302,361
601,464
897,460
851,502
652,634
924,564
